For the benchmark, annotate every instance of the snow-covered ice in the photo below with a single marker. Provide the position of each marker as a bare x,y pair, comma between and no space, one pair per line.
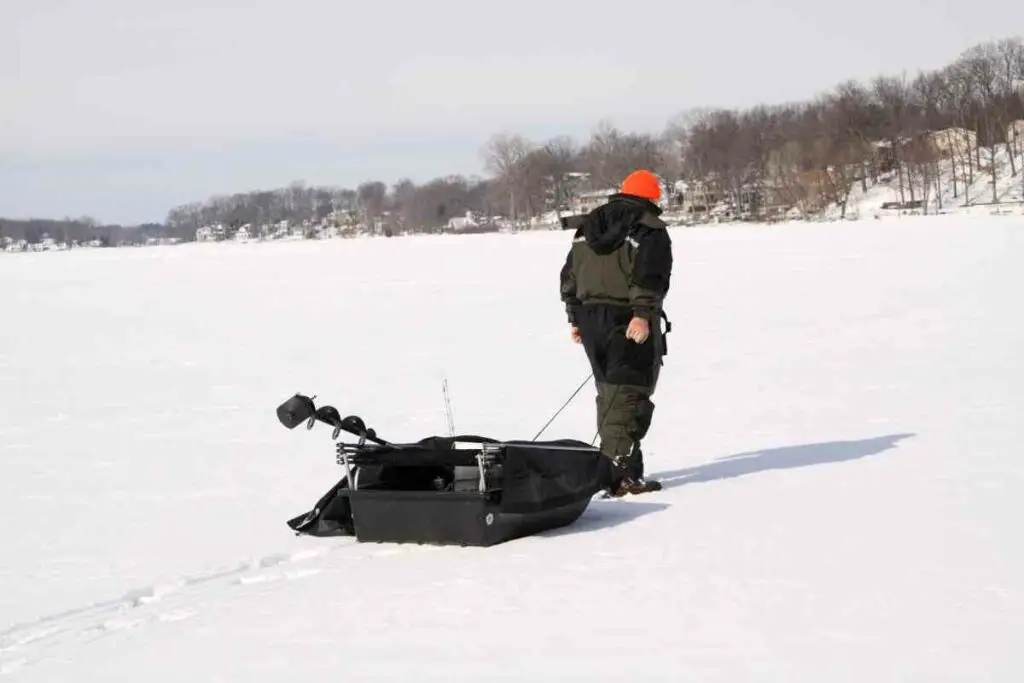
839,426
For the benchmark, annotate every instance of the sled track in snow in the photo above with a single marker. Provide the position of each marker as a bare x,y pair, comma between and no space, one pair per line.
184,598
191,595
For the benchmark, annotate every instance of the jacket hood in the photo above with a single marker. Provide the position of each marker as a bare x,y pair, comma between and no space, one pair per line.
607,226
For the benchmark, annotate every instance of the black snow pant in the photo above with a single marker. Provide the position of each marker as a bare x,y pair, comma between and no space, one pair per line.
626,375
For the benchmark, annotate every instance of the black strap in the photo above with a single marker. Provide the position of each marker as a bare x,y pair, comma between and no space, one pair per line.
668,328
447,442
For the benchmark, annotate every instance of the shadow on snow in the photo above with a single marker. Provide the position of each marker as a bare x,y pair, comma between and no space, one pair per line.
604,514
786,457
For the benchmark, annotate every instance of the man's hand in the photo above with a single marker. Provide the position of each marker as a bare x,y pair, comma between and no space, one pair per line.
574,332
638,330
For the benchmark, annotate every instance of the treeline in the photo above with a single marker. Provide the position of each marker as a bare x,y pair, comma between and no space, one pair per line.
812,153
805,155
78,230
402,206
526,180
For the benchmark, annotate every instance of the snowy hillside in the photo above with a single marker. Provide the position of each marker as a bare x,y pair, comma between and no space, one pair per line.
838,427
954,189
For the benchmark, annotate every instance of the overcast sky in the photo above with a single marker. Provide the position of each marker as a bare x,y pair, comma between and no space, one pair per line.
121,109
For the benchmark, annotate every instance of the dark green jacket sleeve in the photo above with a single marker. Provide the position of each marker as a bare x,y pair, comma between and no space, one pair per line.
568,289
652,272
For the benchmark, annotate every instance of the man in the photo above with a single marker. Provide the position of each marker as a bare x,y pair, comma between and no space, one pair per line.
613,283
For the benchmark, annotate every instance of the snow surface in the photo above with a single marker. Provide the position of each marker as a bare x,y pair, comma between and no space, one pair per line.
838,426
953,195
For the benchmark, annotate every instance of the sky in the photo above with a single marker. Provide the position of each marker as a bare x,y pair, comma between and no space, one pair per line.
122,109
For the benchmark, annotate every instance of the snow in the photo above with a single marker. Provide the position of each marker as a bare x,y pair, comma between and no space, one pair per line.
954,196
838,427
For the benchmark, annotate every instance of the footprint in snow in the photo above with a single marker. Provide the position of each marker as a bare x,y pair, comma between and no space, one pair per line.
302,573
136,608
177,615
150,594
274,560
270,578
12,666
120,624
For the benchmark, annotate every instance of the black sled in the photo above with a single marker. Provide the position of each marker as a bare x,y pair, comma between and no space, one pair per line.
464,490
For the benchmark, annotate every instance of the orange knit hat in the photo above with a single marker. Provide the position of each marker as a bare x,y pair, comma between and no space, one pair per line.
642,184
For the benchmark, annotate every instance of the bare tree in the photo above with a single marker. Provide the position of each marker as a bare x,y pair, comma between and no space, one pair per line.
958,99
924,153
611,154
675,140
858,119
372,197
893,95
981,66
840,153
713,156
504,156
561,158
1009,57
403,201
536,184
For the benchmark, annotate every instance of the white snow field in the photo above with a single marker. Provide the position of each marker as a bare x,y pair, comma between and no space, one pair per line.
840,428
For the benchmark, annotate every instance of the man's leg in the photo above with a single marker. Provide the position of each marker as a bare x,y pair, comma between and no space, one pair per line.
603,405
641,417
633,374
624,416
644,412
629,411
612,417
624,374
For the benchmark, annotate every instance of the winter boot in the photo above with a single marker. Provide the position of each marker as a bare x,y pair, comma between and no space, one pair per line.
636,470
636,462
629,478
